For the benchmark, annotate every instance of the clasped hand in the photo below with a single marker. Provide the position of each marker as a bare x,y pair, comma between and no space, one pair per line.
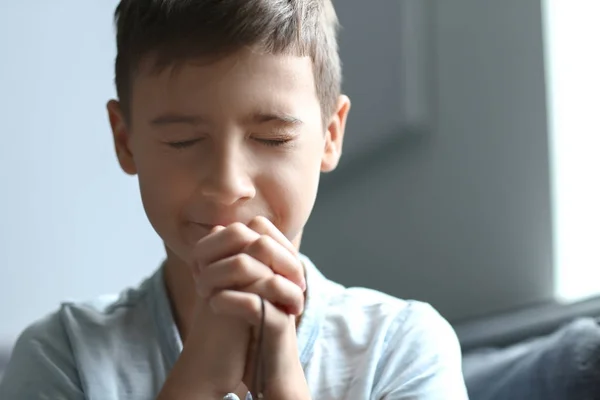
233,268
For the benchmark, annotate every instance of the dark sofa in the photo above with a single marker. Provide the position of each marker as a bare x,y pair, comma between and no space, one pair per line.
4,355
547,352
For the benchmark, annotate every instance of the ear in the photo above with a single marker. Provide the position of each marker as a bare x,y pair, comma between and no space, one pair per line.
121,136
334,137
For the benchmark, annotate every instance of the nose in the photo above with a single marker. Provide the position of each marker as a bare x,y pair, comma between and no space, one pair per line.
227,179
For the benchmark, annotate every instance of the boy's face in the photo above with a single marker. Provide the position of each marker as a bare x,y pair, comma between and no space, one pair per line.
222,142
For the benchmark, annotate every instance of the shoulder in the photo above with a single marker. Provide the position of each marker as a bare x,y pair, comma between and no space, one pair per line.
421,357
410,349
107,312
419,335
370,311
418,353
377,304
93,326
393,318
42,364
57,353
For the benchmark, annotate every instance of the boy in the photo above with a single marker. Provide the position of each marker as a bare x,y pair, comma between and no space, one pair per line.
228,112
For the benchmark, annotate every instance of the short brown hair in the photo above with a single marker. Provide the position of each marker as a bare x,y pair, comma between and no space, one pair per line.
174,31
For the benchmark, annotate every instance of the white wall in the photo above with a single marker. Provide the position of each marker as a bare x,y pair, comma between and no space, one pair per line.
574,83
71,223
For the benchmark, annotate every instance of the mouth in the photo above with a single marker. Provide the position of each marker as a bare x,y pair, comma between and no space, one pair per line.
204,229
209,227
205,226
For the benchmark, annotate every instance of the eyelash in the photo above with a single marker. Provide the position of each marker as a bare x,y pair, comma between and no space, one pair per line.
266,142
184,144
274,143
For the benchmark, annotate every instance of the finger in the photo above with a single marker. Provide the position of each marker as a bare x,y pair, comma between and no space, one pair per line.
279,291
263,226
248,307
217,228
222,243
279,259
233,272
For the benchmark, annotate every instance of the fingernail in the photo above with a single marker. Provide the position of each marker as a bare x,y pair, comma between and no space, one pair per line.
304,285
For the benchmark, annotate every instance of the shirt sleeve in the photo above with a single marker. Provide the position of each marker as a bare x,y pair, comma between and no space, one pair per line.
422,358
42,365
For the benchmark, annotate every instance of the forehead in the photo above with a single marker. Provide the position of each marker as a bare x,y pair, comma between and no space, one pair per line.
228,85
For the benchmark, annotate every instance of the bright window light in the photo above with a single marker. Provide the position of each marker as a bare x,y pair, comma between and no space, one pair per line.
573,76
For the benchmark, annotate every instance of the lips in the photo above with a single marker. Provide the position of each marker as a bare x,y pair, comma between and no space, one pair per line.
198,230
223,222
205,226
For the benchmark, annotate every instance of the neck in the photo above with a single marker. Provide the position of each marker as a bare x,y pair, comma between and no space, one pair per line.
181,291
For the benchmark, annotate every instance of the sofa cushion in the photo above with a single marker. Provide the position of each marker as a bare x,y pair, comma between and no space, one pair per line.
562,366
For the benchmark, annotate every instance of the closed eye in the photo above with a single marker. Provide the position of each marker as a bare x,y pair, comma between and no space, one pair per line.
274,142
183,144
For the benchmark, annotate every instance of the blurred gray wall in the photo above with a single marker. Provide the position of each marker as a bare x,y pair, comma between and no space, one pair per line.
458,215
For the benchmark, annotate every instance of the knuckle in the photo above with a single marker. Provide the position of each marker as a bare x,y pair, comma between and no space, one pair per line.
241,262
259,220
295,294
264,222
274,285
260,246
237,229
283,291
251,304
260,224
254,223
298,267
291,292
264,242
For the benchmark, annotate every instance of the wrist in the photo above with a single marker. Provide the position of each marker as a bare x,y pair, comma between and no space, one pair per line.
290,386
176,389
188,380
287,392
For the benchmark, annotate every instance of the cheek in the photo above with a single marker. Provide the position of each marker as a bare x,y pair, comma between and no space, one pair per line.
165,187
290,191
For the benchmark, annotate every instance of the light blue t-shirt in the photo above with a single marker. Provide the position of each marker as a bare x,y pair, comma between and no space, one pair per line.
354,344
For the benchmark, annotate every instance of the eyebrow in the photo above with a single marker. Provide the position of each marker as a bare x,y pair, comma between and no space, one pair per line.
256,118
286,119
169,119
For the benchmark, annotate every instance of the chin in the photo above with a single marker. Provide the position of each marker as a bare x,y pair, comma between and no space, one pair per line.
191,233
